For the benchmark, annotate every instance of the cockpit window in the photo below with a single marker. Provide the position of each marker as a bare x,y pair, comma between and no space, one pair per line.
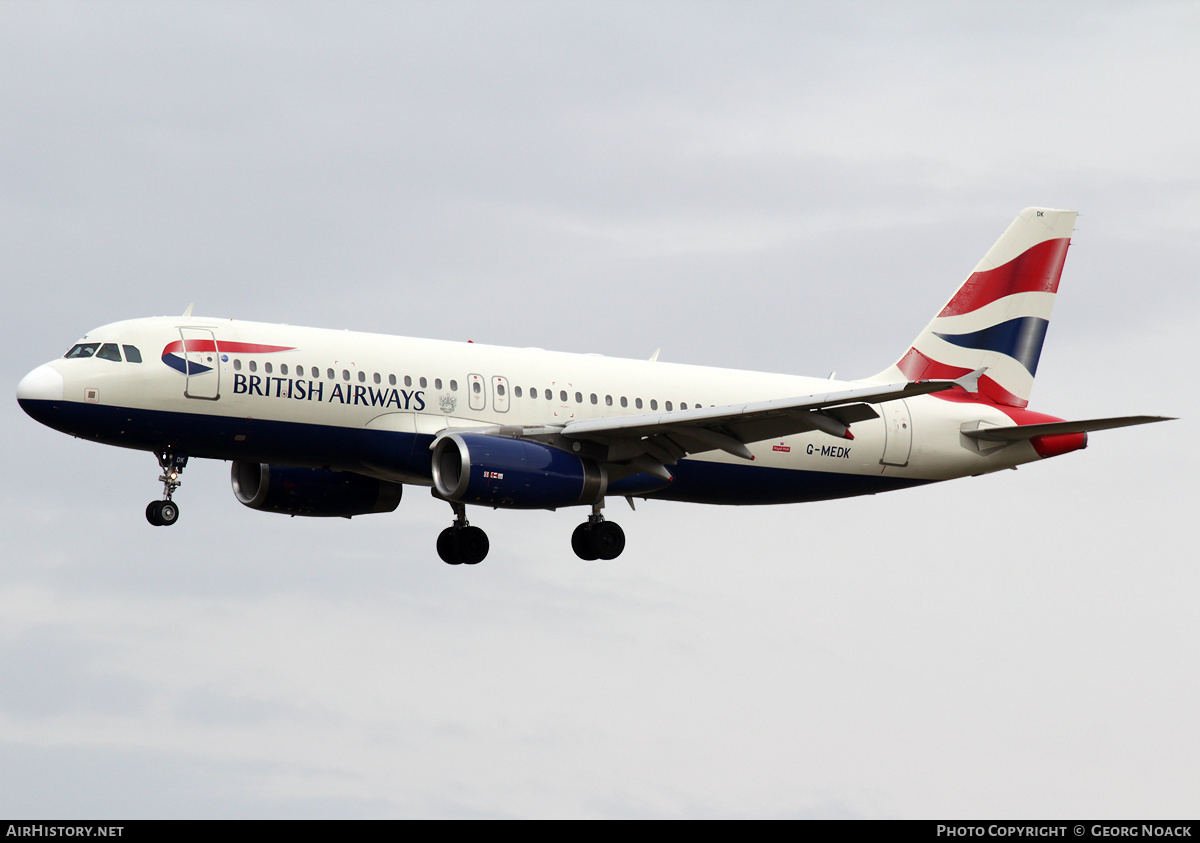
109,351
132,355
83,349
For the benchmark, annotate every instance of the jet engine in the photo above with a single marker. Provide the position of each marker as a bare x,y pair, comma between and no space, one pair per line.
482,468
316,492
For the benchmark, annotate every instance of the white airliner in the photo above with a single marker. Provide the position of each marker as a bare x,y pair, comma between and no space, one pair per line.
333,423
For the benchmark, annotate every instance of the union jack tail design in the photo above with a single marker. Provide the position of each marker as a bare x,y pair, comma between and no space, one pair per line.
998,317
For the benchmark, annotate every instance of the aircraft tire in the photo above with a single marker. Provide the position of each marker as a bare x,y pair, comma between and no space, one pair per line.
471,545
152,513
446,547
168,513
608,539
581,542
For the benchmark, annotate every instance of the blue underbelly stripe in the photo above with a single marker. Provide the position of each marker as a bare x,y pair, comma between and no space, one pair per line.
351,449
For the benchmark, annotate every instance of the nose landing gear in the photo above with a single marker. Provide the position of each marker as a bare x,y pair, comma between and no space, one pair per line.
165,512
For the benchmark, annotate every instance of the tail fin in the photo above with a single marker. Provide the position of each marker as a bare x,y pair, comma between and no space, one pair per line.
998,318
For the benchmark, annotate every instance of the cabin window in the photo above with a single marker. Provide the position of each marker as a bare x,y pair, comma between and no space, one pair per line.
109,351
132,355
237,364
608,400
253,366
594,398
624,401
637,402
329,374
362,376
454,387
423,383
391,380
562,396
283,368
476,387
683,405
345,374
500,389
653,403
84,349
578,397
533,393
516,390
267,368
668,406
437,383
377,378
408,380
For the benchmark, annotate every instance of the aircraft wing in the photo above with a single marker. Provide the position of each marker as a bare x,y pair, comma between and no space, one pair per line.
650,441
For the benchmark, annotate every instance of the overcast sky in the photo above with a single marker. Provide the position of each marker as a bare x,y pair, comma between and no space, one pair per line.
791,187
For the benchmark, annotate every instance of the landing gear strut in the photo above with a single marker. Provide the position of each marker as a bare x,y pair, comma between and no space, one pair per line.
165,512
597,538
460,543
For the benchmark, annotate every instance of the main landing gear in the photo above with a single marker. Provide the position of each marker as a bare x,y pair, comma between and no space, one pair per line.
597,538
460,543
164,513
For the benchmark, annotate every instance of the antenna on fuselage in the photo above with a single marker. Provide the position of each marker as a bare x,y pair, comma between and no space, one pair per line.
188,312
654,356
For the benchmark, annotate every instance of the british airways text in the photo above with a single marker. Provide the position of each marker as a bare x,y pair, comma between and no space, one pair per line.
306,390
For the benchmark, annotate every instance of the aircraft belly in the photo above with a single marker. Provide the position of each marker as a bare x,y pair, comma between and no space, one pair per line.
699,481
211,436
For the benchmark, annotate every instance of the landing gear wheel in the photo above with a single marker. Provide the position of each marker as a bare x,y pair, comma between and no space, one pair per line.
607,539
445,547
581,542
472,545
162,513
168,513
462,545
594,539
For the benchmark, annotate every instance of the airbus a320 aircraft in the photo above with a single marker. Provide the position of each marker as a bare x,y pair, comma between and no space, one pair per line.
332,423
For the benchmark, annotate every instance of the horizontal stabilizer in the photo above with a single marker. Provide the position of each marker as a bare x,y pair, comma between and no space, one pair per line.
1018,433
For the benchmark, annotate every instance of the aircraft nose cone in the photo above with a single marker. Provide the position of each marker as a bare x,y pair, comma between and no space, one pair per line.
42,384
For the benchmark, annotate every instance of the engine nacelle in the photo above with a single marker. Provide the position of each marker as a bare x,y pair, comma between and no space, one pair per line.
315,492
515,473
